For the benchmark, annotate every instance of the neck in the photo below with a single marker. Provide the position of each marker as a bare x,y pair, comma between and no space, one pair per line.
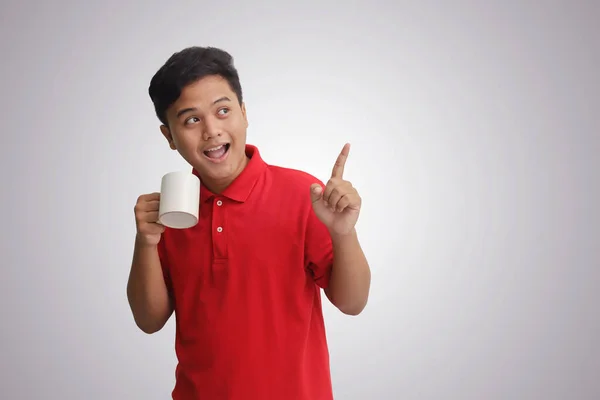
217,186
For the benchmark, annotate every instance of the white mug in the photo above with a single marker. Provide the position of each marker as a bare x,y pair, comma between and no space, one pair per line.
179,200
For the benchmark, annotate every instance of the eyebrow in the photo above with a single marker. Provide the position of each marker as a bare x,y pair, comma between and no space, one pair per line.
190,109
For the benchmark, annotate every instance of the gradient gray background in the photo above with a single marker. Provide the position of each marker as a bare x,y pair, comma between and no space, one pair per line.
475,140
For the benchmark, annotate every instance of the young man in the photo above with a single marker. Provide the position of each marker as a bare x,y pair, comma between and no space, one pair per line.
245,281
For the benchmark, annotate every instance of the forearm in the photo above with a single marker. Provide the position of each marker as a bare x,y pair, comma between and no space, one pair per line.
146,289
350,279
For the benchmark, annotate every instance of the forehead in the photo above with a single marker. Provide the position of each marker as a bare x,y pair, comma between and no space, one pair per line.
205,91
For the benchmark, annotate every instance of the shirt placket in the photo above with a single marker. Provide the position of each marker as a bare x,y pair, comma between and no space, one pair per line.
219,229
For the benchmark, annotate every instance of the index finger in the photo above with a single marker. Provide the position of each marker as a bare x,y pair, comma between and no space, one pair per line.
338,167
149,197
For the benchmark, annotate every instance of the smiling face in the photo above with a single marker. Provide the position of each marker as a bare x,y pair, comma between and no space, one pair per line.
207,126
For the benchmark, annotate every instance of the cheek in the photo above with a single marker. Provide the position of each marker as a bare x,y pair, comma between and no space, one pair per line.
188,137
238,130
186,146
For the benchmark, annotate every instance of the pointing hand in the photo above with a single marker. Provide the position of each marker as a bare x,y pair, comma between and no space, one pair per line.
338,206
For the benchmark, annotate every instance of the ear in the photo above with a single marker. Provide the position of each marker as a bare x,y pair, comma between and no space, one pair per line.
167,134
243,107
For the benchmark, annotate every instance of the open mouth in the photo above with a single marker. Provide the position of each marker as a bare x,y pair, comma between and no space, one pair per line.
217,153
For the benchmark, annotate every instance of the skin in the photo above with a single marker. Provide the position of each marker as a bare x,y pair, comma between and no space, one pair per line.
207,114
338,207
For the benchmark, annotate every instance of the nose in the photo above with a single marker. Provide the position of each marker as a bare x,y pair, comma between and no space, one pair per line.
211,129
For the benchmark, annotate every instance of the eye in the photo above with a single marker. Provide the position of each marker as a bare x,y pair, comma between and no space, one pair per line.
191,120
223,111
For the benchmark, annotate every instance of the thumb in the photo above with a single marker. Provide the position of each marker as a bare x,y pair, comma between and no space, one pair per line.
316,192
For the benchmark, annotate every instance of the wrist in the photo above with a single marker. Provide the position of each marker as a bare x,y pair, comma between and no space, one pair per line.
142,242
340,238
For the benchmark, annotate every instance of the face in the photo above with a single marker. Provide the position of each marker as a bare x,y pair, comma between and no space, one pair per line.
207,126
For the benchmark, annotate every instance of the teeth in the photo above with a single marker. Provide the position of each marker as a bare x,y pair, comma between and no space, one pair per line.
215,148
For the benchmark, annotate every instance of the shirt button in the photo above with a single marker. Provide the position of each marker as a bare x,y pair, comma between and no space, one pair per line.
219,203
219,229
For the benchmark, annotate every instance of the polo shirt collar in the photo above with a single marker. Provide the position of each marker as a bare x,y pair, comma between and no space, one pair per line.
242,186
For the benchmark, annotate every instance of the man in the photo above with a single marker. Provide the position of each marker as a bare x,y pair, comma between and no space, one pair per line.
245,281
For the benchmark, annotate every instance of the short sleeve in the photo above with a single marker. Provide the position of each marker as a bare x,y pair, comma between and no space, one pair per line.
164,262
318,250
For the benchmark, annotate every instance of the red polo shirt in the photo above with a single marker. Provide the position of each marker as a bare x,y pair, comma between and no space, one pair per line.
246,286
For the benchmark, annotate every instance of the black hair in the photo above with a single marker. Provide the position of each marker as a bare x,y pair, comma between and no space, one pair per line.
188,66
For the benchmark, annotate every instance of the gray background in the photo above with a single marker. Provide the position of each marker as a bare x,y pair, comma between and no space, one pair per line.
475,140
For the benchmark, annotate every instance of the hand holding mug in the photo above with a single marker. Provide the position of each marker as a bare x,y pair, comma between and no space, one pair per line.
176,206
146,219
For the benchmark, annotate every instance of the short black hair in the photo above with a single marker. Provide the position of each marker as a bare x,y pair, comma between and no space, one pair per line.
188,66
